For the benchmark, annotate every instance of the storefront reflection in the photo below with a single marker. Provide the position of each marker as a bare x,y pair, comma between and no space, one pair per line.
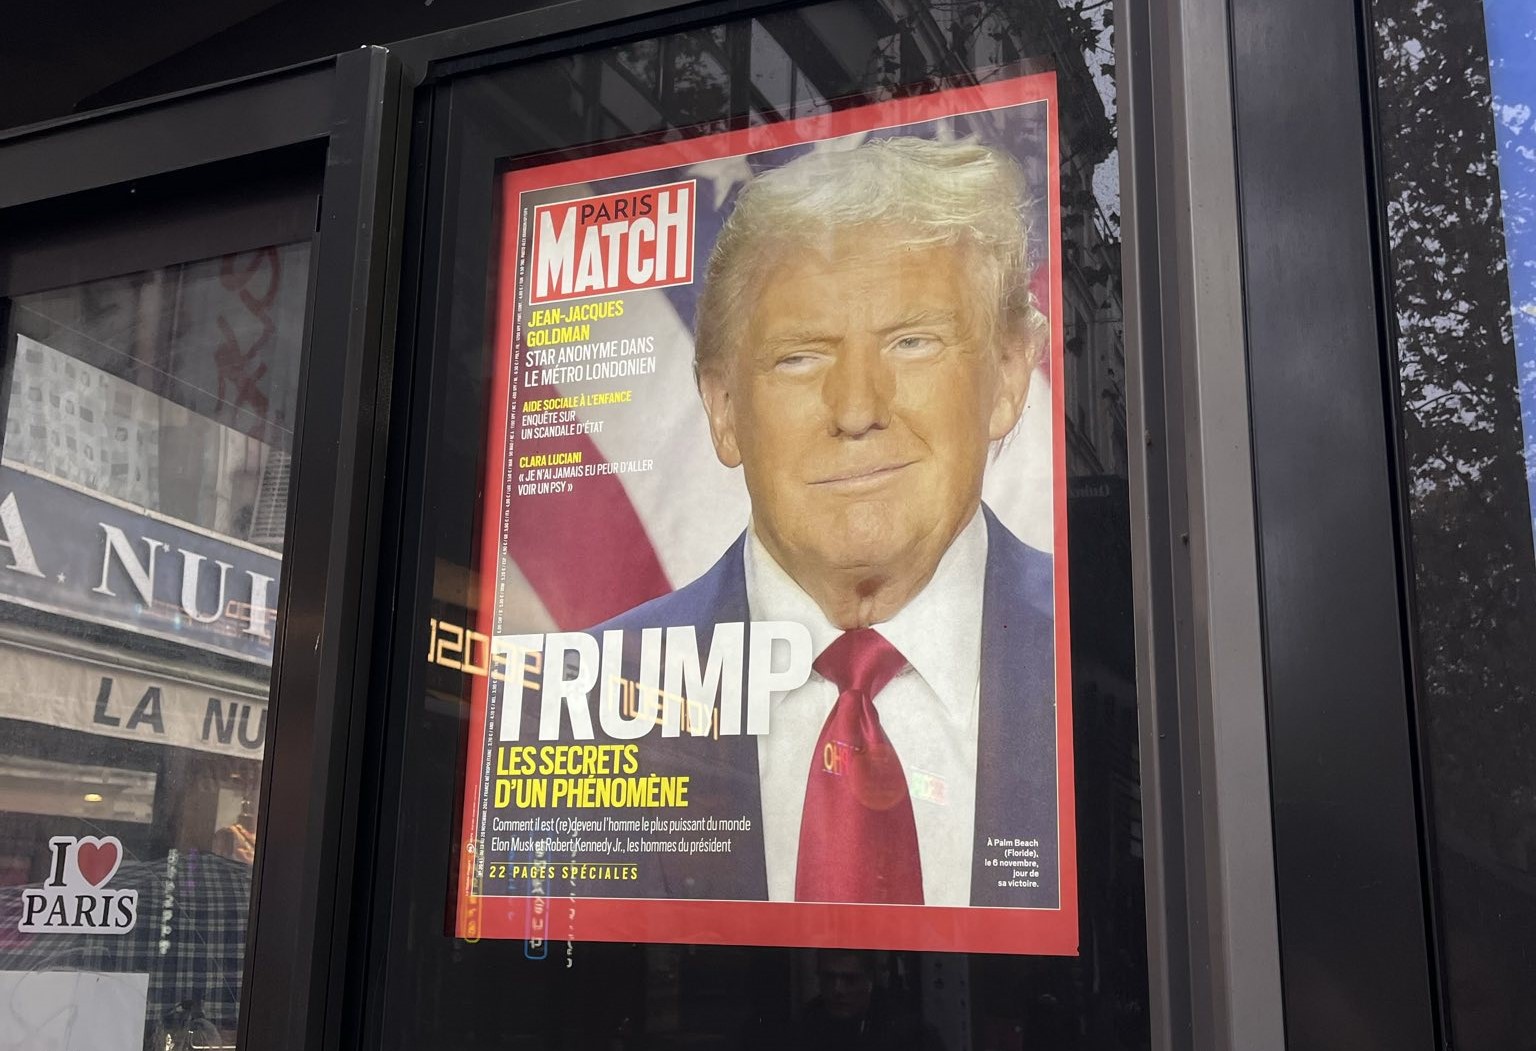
143,491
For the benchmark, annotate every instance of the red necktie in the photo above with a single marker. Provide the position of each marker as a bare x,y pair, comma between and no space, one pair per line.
858,839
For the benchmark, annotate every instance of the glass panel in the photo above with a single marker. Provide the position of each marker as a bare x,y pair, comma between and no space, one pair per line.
548,962
143,491
1456,87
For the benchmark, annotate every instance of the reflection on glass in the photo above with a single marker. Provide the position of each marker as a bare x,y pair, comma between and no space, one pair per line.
1455,92
98,793
561,991
143,489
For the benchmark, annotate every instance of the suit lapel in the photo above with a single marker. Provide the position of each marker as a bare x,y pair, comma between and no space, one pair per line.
1016,753
723,772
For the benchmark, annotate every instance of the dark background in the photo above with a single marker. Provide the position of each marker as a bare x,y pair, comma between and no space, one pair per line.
62,58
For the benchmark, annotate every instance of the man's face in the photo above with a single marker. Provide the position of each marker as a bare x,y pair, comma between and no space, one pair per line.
846,987
861,401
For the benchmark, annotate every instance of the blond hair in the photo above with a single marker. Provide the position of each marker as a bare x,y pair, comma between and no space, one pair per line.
935,193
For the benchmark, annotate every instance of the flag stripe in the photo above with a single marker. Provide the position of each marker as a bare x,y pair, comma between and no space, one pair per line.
591,557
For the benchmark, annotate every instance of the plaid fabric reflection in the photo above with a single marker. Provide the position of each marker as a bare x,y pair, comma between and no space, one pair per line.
189,939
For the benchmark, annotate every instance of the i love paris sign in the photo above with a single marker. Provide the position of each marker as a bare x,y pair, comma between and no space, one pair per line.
75,899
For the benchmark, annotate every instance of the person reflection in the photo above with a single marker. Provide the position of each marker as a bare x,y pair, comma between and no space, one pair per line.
852,1013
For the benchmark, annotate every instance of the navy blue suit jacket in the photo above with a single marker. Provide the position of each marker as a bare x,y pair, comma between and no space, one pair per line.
1016,744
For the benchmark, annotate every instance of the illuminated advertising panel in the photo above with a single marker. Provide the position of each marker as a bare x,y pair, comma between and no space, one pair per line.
772,645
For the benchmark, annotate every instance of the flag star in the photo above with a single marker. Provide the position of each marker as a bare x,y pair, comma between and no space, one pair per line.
60,578
725,174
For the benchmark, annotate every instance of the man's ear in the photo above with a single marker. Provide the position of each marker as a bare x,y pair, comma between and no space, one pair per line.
1015,365
720,409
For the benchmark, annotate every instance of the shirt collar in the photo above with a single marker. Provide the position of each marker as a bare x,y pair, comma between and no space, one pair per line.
939,631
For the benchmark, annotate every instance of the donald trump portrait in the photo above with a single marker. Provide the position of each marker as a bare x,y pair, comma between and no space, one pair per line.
865,342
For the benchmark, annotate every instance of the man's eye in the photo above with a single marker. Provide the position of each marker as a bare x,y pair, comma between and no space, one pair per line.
795,362
917,344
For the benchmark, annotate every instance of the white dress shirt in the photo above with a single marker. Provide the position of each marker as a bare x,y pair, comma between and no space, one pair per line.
929,712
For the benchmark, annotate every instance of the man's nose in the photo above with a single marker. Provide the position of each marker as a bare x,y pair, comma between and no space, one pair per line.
858,391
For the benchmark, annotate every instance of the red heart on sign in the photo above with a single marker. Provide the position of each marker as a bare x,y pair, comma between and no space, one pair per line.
97,859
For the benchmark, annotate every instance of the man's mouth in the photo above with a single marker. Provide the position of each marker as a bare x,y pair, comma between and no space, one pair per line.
864,477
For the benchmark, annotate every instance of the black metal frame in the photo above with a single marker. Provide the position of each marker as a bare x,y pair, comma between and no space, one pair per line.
1356,939
298,964
1351,891
1158,521
570,26
344,116
439,155
1171,801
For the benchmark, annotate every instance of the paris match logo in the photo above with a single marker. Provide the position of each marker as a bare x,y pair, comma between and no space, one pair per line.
76,898
619,242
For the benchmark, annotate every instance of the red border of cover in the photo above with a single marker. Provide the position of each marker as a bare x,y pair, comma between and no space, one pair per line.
917,927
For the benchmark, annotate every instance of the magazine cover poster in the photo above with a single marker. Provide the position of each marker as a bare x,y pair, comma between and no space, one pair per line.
773,648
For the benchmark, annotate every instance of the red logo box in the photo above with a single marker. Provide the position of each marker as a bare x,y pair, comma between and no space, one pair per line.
618,242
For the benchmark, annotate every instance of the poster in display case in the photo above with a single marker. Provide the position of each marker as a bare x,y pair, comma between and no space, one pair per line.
772,644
